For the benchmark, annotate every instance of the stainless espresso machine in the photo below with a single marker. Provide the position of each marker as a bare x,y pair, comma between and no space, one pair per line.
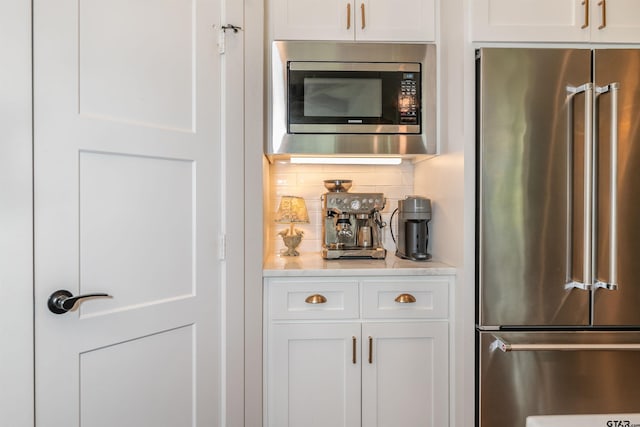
352,223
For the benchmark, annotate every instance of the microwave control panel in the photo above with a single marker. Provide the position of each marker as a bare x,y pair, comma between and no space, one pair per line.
408,99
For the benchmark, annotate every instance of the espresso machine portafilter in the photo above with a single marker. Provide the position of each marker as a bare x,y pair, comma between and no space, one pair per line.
414,214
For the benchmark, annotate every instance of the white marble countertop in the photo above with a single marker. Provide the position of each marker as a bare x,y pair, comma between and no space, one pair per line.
312,264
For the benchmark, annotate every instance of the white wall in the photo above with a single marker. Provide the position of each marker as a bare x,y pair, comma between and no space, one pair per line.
16,264
254,184
449,180
234,209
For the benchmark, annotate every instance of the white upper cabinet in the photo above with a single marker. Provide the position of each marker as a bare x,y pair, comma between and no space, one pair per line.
390,20
370,20
312,19
613,21
528,20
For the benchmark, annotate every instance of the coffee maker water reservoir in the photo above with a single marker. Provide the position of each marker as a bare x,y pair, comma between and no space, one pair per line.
414,214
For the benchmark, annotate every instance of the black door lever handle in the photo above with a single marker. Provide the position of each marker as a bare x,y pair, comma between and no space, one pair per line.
62,300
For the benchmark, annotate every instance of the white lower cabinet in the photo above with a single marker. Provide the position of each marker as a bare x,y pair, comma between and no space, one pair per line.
313,381
405,382
360,352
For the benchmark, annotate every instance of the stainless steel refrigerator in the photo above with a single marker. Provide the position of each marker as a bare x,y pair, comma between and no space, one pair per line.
558,233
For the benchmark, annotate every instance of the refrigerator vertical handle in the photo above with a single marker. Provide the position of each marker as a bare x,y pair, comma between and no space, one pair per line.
570,183
612,284
586,283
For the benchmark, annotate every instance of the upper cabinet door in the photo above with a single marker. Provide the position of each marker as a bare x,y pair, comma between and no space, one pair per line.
605,21
385,20
312,19
369,20
615,21
531,20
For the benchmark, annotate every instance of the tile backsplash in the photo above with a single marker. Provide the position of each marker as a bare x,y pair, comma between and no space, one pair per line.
306,181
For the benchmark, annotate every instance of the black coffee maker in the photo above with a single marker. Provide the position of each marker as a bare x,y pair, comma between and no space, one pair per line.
414,214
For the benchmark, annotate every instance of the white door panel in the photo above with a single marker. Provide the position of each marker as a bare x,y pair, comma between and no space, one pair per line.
127,369
127,202
136,61
151,200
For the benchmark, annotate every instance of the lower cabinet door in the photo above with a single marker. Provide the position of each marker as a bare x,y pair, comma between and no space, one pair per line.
405,374
314,375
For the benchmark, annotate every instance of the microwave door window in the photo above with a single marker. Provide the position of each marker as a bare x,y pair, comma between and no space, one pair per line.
342,97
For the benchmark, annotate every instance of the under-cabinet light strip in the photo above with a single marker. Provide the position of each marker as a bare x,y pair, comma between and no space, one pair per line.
346,160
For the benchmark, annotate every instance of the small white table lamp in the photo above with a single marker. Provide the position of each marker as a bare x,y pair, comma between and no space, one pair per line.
292,210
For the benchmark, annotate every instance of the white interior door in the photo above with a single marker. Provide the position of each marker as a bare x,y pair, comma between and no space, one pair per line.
127,202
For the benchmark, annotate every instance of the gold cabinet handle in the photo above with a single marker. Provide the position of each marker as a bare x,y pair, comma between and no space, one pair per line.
348,16
405,299
316,299
362,12
353,359
603,4
586,14
370,350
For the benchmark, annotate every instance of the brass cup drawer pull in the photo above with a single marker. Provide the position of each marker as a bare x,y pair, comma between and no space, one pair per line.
405,299
316,299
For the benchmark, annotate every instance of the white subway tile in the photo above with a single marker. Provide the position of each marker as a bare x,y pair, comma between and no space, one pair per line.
395,182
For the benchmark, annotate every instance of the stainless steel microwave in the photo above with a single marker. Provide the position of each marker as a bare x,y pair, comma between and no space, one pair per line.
352,99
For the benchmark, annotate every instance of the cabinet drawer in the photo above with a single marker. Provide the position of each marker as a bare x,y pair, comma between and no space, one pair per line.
313,300
406,299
